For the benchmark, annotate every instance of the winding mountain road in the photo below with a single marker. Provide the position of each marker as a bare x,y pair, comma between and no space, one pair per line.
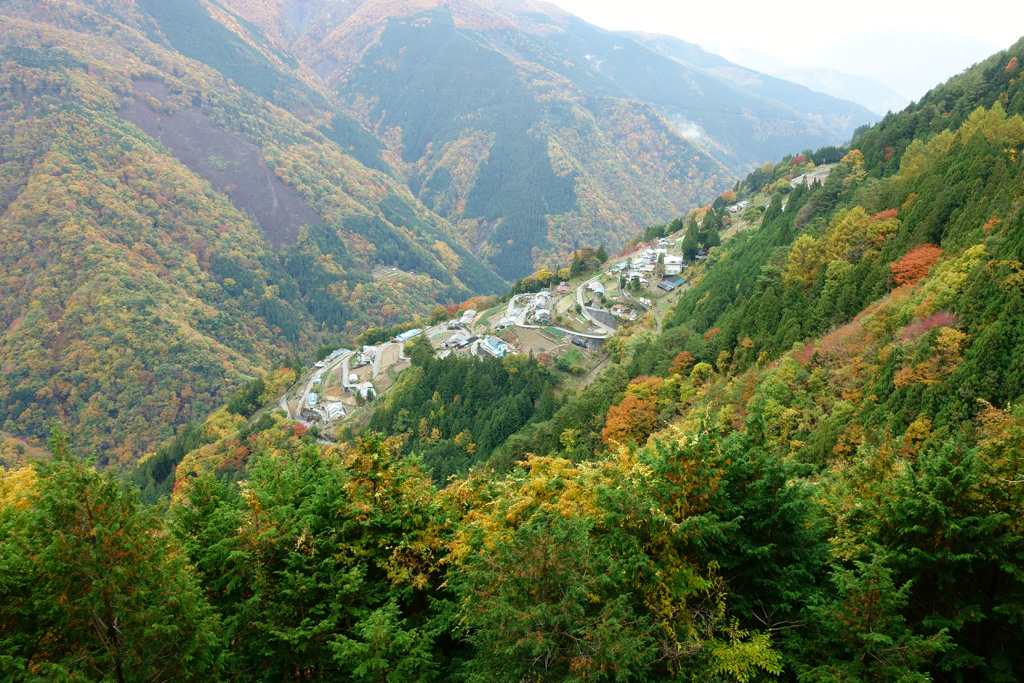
586,314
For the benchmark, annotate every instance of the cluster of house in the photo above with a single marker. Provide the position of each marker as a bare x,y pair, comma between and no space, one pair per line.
365,389
319,407
459,340
368,353
509,319
491,344
366,356
465,320
540,306
645,262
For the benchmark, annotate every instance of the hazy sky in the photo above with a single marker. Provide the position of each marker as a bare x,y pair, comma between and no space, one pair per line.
911,45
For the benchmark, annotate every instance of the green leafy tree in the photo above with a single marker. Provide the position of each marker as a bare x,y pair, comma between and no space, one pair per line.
774,556
711,224
91,588
691,241
861,633
690,246
952,523
419,350
578,266
322,566
713,239
547,604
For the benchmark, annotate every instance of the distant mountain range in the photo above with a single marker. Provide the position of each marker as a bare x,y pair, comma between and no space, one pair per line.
469,96
839,114
876,96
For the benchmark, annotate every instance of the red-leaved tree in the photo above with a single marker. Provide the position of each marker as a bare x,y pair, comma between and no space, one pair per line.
915,264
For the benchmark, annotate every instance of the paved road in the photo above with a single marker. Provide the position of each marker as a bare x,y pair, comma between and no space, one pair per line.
330,369
511,305
562,329
377,356
583,309
305,392
521,321
304,398
345,372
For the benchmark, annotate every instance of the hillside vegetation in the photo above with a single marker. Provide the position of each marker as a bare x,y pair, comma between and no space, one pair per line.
139,281
192,192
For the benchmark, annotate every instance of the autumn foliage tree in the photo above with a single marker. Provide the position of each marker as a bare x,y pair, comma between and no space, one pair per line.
630,422
914,265
681,363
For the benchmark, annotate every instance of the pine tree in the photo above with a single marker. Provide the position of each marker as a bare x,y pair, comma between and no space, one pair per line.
321,566
713,238
578,265
691,241
92,587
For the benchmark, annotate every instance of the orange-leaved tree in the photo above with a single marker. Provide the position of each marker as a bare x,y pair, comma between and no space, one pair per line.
630,422
915,264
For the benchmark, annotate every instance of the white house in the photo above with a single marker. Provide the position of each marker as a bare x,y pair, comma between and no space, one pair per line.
673,265
335,410
366,357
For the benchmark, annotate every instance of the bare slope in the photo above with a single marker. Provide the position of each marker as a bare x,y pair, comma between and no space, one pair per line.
227,161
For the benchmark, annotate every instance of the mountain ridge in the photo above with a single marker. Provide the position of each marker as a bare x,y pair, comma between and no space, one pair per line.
545,54
843,116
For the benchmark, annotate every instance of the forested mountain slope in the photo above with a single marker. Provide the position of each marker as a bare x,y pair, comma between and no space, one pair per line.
533,131
812,473
863,350
192,191
144,275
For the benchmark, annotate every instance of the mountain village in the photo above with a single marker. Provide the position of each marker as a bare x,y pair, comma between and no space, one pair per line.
565,323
